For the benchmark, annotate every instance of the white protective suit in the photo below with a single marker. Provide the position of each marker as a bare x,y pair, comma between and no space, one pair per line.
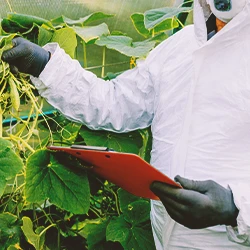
196,96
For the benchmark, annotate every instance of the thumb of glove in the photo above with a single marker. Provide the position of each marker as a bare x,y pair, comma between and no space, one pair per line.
199,186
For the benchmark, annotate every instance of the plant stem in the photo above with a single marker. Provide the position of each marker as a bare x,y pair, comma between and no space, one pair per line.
9,5
145,136
45,229
46,215
95,212
17,139
103,61
106,65
178,20
1,122
58,239
116,201
85,65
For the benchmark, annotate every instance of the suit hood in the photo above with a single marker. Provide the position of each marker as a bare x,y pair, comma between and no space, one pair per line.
202,12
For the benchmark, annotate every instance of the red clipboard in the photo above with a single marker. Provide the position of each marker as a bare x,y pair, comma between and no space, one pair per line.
125,170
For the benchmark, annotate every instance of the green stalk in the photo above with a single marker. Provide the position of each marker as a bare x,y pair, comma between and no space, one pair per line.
145,137
11,10
85,65
179,21
45,229
103,61
1,122
153,33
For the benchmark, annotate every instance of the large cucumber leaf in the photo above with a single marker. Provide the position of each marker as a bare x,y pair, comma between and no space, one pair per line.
61,20
35,239
138,21
47,178
156,16
10,164
121,142
126,46
10,230
66,38
89,33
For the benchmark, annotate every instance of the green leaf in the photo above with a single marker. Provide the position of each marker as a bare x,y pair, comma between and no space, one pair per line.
66,38
132,229
10,164
89,33
95,233
138,21
5,43
167,24
95,17
25,20
118,230
44,36
126,46
13,247
145,150
10,230
12,27
158,38
68,133
156,16
34,239
130,236
125,198
121,142
47,178
82,21
137,212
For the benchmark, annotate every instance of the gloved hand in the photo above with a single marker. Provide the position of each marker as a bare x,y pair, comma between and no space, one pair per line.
26,57
199,204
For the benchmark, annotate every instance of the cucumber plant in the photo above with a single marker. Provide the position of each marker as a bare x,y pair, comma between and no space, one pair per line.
49,200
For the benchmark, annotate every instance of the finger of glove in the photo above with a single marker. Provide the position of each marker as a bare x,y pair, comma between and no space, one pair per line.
15,53
174,205
18,40
13,69
182,196
175,215
185,215
199,186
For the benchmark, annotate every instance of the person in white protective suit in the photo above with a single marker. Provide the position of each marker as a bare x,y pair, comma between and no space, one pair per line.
194,91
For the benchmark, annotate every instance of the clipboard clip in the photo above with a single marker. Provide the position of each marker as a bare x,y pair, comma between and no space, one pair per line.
95,148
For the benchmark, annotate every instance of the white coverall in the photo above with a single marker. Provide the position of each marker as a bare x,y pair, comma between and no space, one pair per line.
196,96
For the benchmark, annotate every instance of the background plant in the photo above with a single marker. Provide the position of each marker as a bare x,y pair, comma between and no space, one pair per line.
49,200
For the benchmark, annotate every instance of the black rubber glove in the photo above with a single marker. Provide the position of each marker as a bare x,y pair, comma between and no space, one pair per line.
26,57
199,204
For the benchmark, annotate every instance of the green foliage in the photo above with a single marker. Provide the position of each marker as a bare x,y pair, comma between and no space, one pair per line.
124,142
10,164
126,46
138,21
131,228
155,17
35,239
90,34
66,39
95,233
49,200
47,178
10,231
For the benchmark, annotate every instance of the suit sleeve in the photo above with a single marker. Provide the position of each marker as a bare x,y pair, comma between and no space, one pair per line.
241,233
122,104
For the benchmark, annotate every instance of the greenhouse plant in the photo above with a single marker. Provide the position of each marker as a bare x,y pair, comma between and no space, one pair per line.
50,200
